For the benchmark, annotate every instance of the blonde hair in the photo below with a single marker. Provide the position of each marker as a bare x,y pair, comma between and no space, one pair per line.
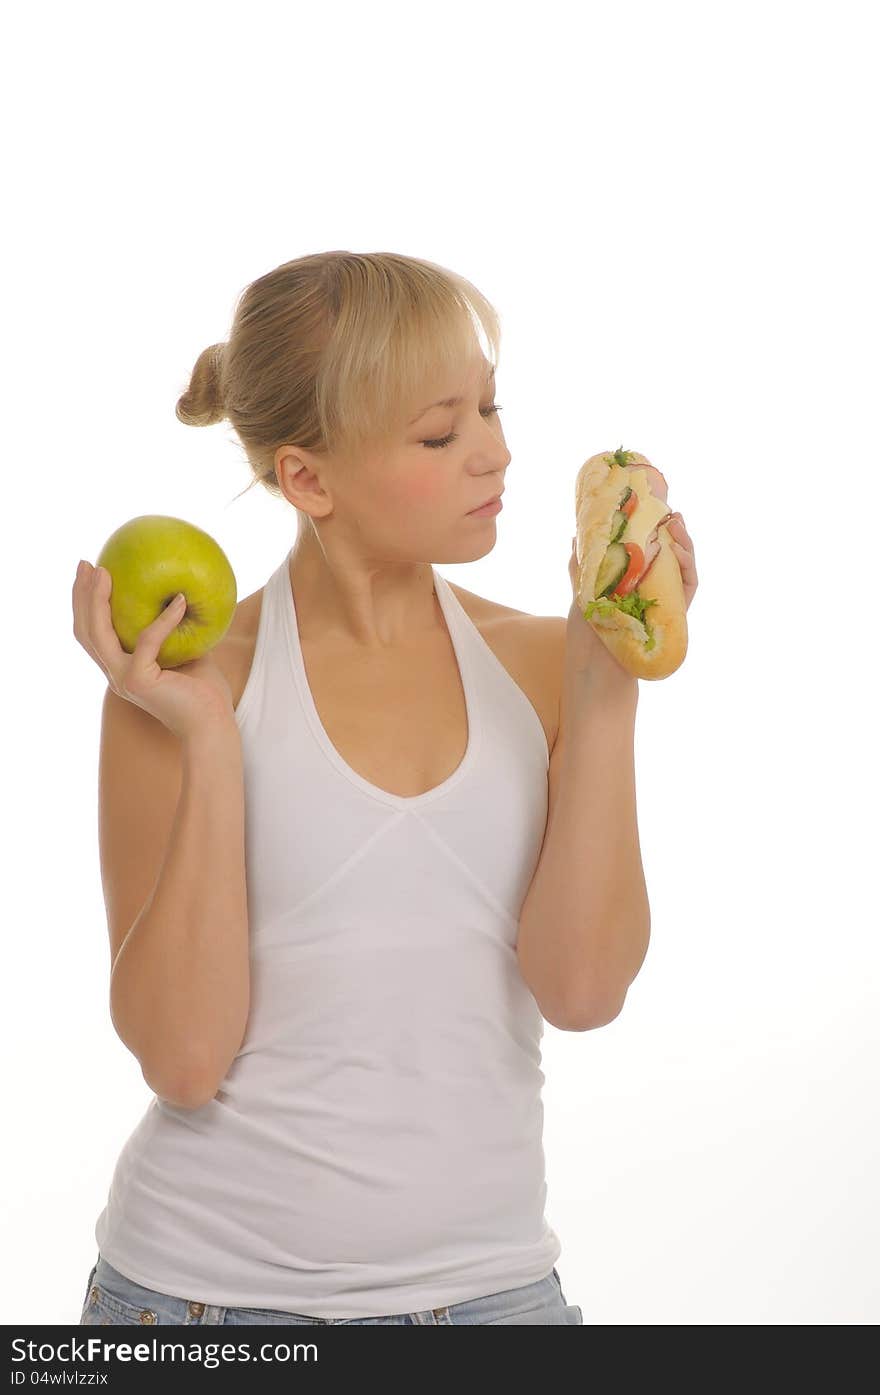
332,351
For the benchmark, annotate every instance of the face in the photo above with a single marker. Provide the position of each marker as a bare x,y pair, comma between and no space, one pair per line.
411,504
450,459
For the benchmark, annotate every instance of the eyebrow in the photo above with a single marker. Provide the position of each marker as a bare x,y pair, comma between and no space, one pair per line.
448,401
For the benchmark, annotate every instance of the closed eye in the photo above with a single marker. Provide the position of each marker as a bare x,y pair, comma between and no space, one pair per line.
453,435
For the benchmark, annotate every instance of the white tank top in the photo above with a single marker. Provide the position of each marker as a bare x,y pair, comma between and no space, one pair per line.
376,1146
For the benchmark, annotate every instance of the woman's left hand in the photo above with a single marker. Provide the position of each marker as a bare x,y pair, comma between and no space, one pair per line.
684,551
583,645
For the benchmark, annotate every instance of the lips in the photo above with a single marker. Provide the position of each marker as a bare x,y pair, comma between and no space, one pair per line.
492,500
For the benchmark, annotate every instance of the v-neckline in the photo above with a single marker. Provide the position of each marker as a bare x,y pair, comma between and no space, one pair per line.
450,608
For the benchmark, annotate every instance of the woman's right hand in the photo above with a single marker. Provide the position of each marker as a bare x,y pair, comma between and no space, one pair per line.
185,698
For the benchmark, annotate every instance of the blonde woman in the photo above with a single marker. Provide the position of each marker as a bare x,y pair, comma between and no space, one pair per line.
317,842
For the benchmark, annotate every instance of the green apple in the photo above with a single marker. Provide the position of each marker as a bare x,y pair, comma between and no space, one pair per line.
152,557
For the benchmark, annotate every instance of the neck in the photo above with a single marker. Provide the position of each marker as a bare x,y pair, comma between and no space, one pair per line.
371,604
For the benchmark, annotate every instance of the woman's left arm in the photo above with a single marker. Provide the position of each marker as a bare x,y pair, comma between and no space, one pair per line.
585,921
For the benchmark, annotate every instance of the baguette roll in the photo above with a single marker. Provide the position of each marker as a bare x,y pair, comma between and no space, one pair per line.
645,628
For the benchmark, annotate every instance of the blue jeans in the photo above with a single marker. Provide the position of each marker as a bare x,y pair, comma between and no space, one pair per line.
111,1298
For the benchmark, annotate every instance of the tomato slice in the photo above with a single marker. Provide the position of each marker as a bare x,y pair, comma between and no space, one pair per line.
630,505
630,577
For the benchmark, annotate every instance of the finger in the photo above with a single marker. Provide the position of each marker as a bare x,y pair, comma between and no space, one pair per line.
682,547
105,641
679,535
79,590
153,636
82,609
150,640
685,562
104,636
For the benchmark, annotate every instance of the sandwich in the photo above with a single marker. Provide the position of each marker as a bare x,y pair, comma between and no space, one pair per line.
629,583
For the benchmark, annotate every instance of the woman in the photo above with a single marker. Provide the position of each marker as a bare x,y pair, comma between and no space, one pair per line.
315,844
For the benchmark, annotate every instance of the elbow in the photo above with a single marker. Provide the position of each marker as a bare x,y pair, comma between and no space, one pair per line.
196,1097
580,1016
194,1085
184,1092
586,1018
598,1004
576,1013
594,1005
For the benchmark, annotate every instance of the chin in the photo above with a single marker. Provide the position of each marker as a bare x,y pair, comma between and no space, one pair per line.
467,550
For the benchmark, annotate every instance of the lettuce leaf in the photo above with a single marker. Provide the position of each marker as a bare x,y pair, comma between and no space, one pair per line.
633,604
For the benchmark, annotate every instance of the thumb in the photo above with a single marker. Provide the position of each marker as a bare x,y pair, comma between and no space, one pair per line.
173,611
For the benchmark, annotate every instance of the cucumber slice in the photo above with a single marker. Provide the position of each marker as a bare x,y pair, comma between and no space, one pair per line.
611,569
618,523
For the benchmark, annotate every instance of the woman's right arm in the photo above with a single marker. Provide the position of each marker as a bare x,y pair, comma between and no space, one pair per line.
171,826
180,982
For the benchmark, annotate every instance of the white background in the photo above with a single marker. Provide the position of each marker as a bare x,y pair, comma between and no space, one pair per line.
674,209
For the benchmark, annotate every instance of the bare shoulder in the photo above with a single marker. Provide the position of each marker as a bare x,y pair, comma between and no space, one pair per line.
532,648
544,632
234,653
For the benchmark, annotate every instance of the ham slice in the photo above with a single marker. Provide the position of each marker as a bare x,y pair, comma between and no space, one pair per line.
652,546
656,481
